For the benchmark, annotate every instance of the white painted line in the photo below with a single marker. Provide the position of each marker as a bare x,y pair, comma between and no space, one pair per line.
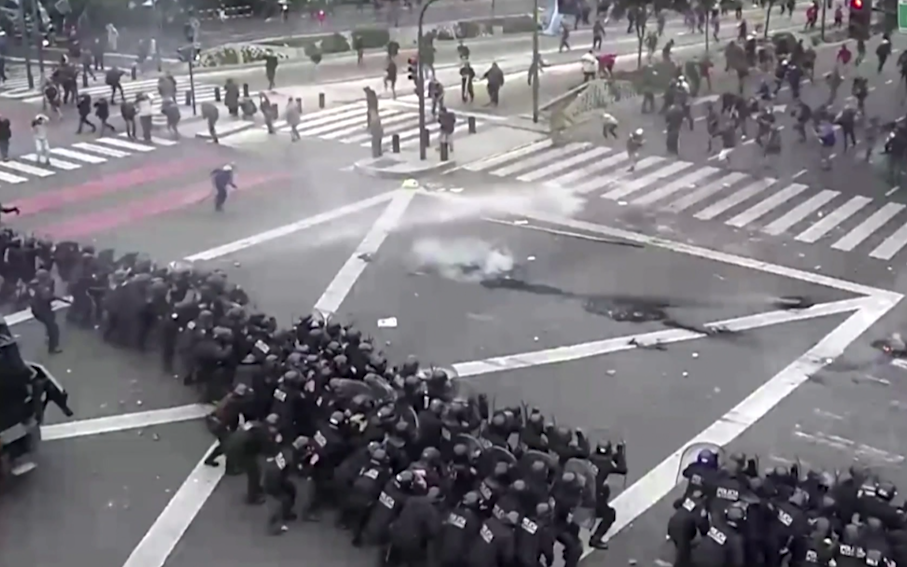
54,162
703,193
891,245
109,152
734,199
762,208
161,141
488,163
619,159
171,525
865,229
688,181
660,481
833,219
28,169
10,178
598,348
800,212
291,228
536,160
603,181
100,425
342,284
634,185
78,156
386,123
561,165
892,191
126,144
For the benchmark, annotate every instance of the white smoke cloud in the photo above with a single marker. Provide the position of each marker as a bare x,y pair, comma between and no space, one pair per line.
462,259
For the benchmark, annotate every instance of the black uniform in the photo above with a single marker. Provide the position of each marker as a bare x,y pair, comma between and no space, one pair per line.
277,484
41,298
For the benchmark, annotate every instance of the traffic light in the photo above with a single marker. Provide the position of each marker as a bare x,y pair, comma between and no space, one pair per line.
413,69
189,53
860,20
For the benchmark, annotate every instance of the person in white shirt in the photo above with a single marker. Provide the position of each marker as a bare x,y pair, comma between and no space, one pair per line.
112,37
145,112
590,66
42,147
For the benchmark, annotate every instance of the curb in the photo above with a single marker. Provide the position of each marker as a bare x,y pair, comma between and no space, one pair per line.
405,169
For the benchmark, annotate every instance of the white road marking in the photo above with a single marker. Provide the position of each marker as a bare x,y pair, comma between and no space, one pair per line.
342,284
110,424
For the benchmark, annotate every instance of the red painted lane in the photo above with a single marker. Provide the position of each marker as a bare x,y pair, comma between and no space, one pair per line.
135,211
108,184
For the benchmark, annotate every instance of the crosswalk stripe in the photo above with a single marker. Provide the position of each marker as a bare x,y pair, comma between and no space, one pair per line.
703,193
410,137
355,134
891,245
25,168
161,141
764,207
126,144
833,219
561,165
878,219
532,162
734,199
603,181
646,180
619,159
800,212
10,178
101,150
359,124
688,180
319,127
54,162
488,163
78,156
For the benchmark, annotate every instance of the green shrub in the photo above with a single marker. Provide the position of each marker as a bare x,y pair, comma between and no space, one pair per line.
522,24
335,43
466,30
445,34
235,55
372,38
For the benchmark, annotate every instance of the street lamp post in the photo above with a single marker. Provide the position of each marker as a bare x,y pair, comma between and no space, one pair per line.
39,37
420,82
822,25
26,44
535,61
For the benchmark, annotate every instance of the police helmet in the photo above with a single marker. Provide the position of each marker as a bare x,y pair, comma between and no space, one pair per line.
379,455
501,469
436,406
460,450
708,458
240,390
542,510
336,419
536,417
735,514
272,419
411,383
519,485
405,478
291,377
568,478
430,455
499,420
511,519
471,499
401,427
410,366
333,329
886,491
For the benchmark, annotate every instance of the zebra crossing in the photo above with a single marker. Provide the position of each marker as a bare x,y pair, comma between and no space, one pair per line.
17,88
75,156
347,124
773,207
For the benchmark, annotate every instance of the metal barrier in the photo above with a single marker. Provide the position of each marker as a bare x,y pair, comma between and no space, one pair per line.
225,13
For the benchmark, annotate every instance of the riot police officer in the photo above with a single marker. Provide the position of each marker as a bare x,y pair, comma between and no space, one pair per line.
41,298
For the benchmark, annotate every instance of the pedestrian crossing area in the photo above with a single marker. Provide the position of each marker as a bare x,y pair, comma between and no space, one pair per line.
347,124
17,88
75,156
842,221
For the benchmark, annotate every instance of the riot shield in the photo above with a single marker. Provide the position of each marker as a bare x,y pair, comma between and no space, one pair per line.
691,453
347,389
106,258
584,515
405,412
493,455
472,444
380,389
532,456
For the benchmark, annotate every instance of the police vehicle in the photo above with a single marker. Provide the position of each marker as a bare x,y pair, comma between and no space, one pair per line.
26,389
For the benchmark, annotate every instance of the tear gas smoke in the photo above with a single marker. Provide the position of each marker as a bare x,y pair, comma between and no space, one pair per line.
462,259
506,198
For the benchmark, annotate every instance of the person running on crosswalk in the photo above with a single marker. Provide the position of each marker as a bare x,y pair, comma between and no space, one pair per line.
42,147
634,143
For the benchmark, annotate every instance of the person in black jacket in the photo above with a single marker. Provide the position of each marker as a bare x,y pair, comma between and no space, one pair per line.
6,133
102,111
127,111
84,107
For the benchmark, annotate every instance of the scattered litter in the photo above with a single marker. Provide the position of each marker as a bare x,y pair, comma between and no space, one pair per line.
695,355
622,203
456,189
717,390
522,222
365,257
140,432
611,372
387,323
156,437
138,402
69,370
530,259
685,374
409,184
236,264
536,339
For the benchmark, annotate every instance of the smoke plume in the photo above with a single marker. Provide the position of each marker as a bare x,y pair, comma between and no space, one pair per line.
462,259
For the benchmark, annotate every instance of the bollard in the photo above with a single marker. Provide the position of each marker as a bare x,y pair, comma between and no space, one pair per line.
320,100
134,72
444,155
245,90
426,138
395,143
471,124
188,98
299,105
216,94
